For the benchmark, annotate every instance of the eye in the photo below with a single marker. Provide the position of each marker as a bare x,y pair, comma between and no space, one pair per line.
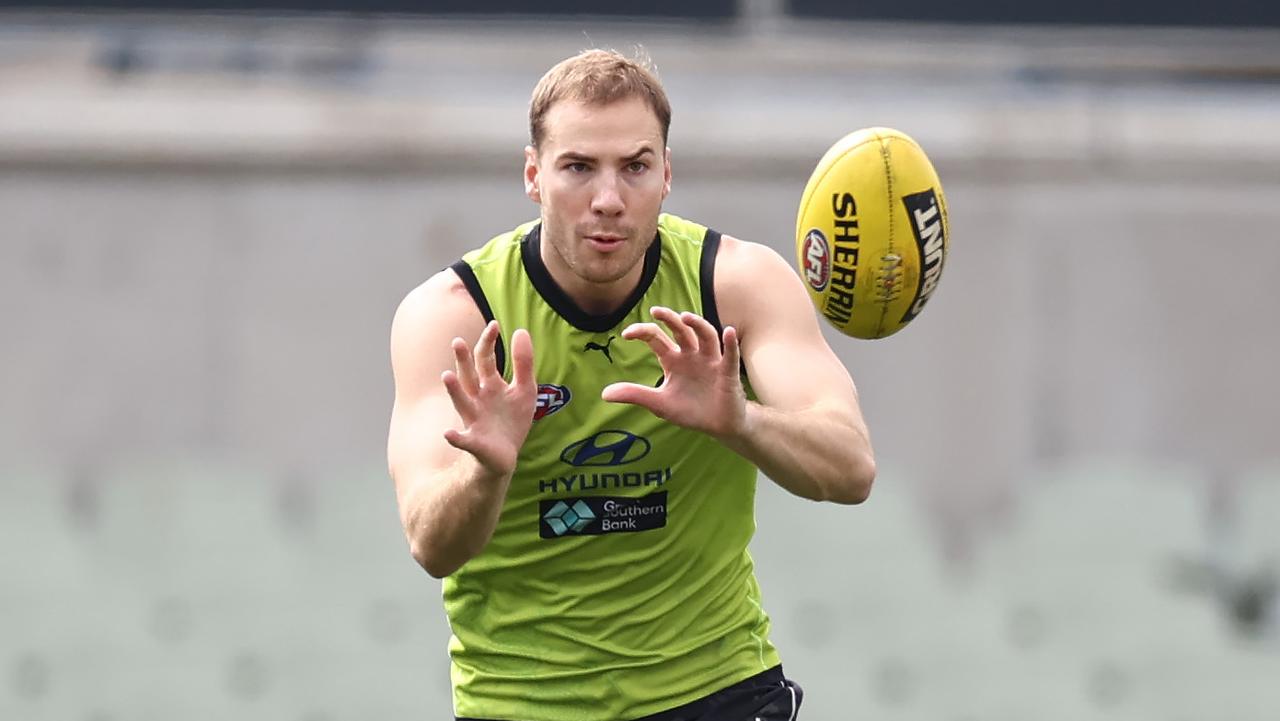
637,166
577,167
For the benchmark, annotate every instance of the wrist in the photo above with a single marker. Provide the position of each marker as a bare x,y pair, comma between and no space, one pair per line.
484,475
737,432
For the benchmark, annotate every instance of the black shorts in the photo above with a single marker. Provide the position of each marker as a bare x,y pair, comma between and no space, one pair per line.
767,696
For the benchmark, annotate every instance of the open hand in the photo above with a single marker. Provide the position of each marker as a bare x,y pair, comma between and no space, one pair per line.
496,415
702,389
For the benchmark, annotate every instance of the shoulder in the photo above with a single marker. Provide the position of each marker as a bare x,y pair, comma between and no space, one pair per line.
449,297
442,293
439,308
737,260
751,269
754,281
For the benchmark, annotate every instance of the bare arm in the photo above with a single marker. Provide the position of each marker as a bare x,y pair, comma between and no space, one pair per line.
806,432
456,427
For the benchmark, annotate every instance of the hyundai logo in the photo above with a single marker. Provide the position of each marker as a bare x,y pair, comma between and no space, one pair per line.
606,448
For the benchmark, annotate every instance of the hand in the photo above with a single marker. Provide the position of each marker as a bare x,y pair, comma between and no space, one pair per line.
702,389
496,415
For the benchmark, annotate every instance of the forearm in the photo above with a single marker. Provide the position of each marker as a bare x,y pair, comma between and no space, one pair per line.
450,518
822,453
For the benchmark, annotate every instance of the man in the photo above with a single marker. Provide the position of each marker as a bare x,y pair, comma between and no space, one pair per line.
585,485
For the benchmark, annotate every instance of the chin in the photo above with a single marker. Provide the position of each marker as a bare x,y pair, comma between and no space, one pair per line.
603,275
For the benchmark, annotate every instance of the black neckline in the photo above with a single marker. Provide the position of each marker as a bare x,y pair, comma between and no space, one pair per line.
561,303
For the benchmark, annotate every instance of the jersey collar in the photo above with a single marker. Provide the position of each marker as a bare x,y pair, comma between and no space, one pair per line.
562,304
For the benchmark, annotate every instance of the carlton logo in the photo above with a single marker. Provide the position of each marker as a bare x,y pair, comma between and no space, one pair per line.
817,260
551,398
606,448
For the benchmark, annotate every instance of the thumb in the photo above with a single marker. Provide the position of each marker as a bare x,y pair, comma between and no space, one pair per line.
633,393
522,358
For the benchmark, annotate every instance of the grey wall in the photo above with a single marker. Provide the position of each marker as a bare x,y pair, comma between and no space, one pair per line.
248,314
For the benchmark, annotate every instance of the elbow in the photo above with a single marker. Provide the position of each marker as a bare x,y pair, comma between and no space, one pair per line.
432,562
854,486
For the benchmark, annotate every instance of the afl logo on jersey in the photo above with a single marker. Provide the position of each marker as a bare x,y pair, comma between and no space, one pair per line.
551,398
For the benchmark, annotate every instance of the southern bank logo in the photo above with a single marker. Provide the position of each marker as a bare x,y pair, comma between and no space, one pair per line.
600,515
606,448
562,518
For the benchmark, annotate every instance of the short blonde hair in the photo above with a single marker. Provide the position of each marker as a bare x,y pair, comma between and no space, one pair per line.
598,77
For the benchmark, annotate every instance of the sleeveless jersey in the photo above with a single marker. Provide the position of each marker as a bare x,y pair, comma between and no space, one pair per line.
617,583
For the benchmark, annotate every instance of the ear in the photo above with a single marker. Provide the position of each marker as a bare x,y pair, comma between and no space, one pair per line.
531,188
666,173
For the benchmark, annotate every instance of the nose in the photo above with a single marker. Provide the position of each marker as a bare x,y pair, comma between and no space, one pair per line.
606,199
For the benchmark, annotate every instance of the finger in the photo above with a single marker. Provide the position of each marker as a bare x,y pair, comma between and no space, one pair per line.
487,355
477,445
708,341
650,333
635,394
465,366
682,333
522,358
732,353
461,440
462,401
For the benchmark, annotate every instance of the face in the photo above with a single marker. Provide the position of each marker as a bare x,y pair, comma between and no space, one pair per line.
600,176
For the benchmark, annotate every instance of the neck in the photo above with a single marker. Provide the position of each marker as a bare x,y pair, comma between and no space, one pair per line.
594,298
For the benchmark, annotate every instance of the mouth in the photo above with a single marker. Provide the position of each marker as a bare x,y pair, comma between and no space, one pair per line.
605,242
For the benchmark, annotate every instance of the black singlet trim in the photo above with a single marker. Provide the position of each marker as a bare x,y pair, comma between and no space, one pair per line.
472,283
554,295
714,703
707,284
707,278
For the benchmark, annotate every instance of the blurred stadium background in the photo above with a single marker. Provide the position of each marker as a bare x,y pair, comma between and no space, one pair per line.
209,211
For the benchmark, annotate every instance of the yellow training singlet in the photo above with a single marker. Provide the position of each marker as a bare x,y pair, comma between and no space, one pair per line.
617,583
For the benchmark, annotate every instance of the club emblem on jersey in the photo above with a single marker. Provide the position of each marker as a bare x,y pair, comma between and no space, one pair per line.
592,345
551,398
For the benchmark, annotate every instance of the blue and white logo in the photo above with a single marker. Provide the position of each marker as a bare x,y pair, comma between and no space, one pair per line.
606,448
562,518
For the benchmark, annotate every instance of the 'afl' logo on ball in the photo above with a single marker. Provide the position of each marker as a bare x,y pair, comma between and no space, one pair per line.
817,260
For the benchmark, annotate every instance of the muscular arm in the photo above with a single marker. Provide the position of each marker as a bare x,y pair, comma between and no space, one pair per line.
806,432
451,483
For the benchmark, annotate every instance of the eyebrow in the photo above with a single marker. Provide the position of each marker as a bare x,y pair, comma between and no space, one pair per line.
571,155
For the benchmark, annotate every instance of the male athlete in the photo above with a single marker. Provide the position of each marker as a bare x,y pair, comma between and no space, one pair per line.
573,446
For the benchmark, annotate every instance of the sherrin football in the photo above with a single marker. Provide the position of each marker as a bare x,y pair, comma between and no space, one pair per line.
871,234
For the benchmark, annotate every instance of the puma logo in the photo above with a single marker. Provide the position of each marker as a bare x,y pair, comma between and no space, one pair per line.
592,345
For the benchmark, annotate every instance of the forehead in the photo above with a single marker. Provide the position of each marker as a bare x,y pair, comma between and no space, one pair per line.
601,128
